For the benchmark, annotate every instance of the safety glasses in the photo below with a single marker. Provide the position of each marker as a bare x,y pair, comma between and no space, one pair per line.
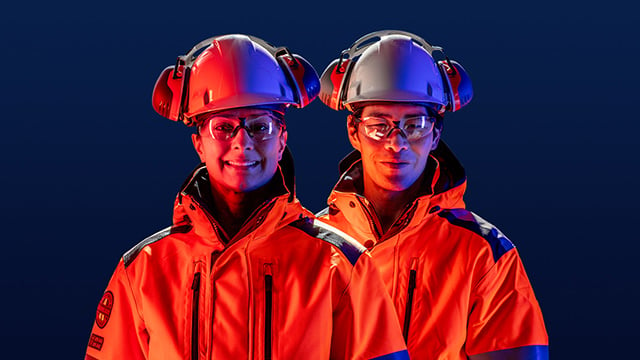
259,127
412,128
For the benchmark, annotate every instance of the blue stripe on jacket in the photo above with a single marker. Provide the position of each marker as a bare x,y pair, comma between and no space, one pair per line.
351,248
499,243
398,355
533,352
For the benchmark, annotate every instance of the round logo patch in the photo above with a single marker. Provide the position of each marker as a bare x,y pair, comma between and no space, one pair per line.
104,309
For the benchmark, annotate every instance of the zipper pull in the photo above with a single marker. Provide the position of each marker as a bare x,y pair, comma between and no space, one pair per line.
268,277
410,290
195,315
196,282
268,308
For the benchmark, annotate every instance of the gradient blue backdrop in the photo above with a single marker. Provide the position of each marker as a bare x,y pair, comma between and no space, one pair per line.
550,143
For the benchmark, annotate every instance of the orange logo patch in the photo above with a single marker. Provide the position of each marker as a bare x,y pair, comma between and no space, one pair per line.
104,309
96,342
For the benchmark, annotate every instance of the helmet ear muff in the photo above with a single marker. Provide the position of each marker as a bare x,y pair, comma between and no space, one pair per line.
302,77
332,81
168,93
457,83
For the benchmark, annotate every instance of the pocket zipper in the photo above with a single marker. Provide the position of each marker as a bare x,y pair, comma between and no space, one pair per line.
195,286
268,303
410,290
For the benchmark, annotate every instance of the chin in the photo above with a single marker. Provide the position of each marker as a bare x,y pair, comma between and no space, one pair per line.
394,187
398,185
247,186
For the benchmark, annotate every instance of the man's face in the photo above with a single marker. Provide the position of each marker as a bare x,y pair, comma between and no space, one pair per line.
241,163
392,163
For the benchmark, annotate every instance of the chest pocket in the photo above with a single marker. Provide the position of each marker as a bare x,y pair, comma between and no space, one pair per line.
426,312
196,348
411,287
268,310
265,310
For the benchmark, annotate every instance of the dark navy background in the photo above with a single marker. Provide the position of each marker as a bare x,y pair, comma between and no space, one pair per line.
550,143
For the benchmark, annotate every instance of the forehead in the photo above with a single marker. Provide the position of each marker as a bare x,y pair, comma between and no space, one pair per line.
242,112
391,109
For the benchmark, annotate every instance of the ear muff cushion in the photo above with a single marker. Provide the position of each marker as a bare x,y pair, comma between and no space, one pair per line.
166,94
330,86
463,86
458,83
306,79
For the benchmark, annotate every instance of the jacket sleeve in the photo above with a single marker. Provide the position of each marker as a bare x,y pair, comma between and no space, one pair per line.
365,325
505,322
118,330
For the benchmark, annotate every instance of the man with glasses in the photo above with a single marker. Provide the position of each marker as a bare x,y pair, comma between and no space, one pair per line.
457,282
245,271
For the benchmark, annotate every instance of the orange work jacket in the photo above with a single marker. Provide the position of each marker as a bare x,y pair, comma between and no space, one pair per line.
458,284
285,287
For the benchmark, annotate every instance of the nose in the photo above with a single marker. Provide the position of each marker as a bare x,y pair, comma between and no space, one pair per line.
396,141
242,140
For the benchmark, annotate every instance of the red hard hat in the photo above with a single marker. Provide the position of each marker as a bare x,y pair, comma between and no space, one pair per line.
233,71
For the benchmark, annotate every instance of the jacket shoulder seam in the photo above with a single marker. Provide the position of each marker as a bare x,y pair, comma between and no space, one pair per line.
132,253
470,221
347,245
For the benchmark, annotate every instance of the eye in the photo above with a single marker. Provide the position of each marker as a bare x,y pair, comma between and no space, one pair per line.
418,123
376,124
223,126
261,124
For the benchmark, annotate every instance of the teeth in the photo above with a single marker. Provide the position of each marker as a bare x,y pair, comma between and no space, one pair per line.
241,163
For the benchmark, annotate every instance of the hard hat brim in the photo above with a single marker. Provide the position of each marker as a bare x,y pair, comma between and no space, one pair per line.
395,96
240,101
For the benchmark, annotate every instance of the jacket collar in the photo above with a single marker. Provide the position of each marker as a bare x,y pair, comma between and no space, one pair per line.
442,173
442,187
194,203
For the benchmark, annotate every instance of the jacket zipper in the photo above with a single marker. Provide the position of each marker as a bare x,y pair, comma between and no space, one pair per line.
402,221
268,303
410,290
371,217
195,286
216,227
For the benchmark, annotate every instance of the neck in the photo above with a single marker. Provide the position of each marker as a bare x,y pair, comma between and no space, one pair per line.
389,204
234,208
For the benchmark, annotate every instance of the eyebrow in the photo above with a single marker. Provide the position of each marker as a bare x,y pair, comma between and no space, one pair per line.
234,116
387,115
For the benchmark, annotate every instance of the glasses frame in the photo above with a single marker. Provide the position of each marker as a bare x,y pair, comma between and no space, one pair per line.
277,121
393,125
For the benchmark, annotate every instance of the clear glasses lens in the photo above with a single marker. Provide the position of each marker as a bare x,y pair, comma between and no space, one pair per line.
260,127
413,128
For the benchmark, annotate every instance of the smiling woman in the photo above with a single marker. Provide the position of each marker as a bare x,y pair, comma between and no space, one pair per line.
241,155
245,271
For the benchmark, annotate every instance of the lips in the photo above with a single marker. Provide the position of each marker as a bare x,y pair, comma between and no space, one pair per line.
242,164
394,161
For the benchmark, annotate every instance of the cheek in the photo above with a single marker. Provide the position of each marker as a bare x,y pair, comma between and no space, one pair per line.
423,146
270,152
369,146
212,152
421,151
